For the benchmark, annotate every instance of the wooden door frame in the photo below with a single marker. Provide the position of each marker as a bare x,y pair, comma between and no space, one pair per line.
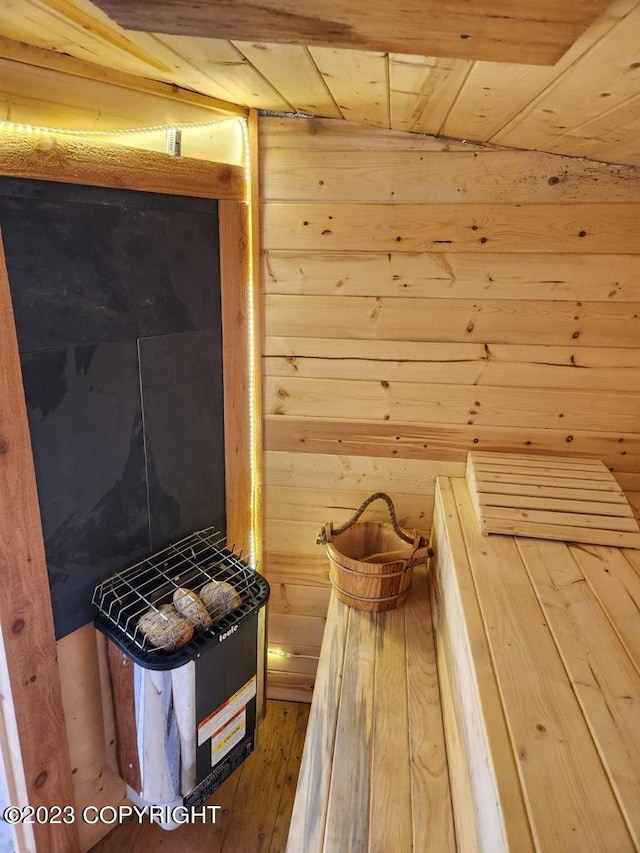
40,763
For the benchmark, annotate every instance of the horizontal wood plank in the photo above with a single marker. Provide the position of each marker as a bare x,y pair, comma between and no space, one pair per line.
70,161
451,404
449,177
576,228
295,629
445,443
534,322
339,505
449,275
312,570
289,686
507,365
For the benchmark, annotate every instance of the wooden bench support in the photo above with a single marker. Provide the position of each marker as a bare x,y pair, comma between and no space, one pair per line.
374,770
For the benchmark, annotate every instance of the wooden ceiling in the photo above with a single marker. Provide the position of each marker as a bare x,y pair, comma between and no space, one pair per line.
587,105
538,32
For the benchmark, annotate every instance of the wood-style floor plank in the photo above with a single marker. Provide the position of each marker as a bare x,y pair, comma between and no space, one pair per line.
256,800
283,816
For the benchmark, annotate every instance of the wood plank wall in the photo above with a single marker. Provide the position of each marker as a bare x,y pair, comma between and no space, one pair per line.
423,298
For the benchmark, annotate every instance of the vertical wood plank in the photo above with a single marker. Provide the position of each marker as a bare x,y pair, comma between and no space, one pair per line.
309,812
347,826
26,617
121,670
481,756
254,365
603,677
283,817
432,815
234,267
390,821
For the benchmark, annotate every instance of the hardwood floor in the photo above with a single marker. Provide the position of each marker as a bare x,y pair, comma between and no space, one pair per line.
256,800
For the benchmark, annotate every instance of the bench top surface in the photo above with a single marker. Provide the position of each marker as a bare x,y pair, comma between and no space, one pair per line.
549,634
374,771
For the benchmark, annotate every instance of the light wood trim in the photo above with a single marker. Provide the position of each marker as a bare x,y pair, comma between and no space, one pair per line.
121,672
234,269
54,158
255,357
54,61
25,605
526,32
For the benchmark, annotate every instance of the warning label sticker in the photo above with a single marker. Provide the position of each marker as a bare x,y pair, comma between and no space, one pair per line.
224,740
217,720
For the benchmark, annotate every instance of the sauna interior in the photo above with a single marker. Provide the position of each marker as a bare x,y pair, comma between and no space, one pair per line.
262,261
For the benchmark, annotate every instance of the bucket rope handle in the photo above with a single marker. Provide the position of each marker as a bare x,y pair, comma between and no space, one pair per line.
327,531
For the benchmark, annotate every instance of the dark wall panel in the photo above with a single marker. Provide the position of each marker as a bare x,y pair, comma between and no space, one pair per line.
127,457
86,433
183,416
101,266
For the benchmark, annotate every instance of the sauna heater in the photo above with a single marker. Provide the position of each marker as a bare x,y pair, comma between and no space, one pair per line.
186,702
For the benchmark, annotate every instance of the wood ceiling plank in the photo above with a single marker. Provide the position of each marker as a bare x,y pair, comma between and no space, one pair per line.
511,31
88,35
326,135
591,228
606,77
63,63
490,98
50,98
358,82
34,23
612,137
291,70
226,66
423,90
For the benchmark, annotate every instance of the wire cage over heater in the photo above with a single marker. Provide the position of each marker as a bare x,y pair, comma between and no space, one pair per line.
199,564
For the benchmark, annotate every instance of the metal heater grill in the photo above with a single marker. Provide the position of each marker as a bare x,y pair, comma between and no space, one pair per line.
186,714
192,563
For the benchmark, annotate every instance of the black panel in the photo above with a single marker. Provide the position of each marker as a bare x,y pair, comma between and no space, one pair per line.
88,266
92,271
86,432
184,422
221,671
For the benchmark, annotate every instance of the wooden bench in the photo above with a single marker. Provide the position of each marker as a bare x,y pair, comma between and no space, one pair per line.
538,650
374,770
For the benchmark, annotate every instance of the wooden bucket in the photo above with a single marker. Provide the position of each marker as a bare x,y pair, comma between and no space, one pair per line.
371,563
